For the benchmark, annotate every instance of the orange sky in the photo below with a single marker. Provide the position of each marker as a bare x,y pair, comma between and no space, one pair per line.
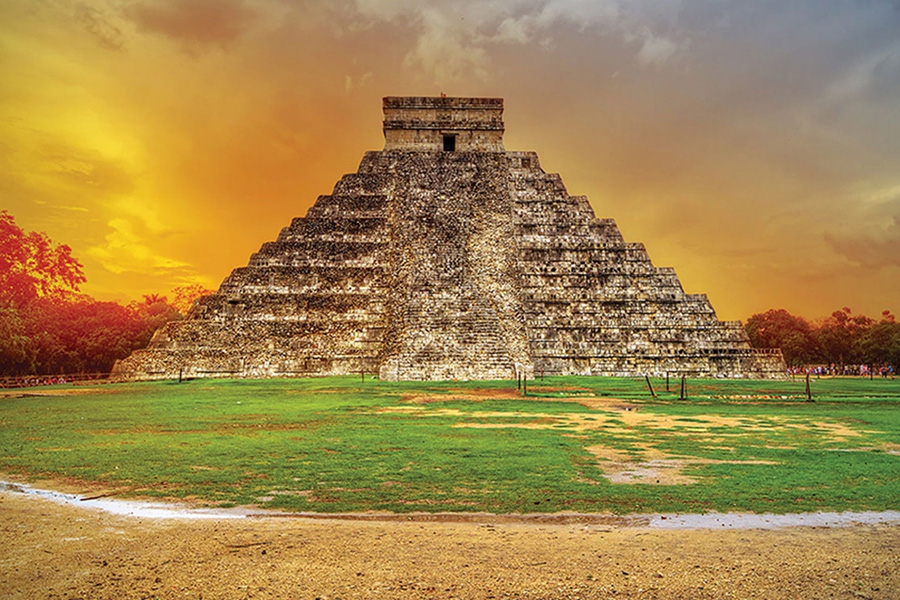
755,147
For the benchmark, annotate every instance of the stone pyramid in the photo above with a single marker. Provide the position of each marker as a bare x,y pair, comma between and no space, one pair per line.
446,257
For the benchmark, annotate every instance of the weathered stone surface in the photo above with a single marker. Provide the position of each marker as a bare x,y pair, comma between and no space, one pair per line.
475,124
464,263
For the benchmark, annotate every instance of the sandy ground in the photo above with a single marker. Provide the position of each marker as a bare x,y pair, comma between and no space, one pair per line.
49,550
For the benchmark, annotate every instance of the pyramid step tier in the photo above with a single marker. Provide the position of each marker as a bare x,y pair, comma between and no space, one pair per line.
446,257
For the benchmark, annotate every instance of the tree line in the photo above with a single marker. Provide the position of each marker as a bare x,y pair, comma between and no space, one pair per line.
842,342
47,327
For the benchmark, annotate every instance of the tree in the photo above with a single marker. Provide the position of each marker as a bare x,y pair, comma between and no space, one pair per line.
186,295
880,344
46,327
14,343
33,270
79,334
840,335
32,266
151,314
780,329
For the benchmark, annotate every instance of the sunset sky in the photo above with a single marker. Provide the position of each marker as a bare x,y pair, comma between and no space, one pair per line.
752,145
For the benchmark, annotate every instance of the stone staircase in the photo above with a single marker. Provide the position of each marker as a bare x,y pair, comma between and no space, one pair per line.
429,264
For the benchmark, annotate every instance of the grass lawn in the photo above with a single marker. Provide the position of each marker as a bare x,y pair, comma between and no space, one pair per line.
586,444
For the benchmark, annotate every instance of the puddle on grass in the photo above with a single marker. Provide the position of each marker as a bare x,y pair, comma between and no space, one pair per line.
127,508
160,510
772,521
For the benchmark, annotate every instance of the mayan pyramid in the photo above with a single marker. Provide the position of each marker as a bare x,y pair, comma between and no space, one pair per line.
446,257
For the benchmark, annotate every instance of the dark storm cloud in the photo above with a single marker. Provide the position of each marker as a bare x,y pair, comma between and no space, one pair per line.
193,22
878,250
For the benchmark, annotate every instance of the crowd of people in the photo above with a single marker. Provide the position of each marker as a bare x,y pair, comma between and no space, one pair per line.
861,370
22,381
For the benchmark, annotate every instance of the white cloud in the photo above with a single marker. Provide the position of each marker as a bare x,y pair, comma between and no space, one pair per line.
859,79
447,48
453,39
352,83
513,30
656,50
127,249
881,196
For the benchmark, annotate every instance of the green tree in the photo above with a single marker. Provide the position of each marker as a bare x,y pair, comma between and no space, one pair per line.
151,314
15,346
777,328
840,337
880,344
46,327
32,266
186,295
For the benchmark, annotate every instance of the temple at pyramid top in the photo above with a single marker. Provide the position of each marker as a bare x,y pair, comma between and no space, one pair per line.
445,256
445,124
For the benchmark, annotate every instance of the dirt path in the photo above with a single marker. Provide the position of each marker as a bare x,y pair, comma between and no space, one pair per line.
48,550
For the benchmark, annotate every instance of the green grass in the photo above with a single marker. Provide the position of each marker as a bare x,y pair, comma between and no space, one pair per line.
336,444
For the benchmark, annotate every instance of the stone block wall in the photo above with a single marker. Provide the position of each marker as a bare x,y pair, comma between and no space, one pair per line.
416,123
